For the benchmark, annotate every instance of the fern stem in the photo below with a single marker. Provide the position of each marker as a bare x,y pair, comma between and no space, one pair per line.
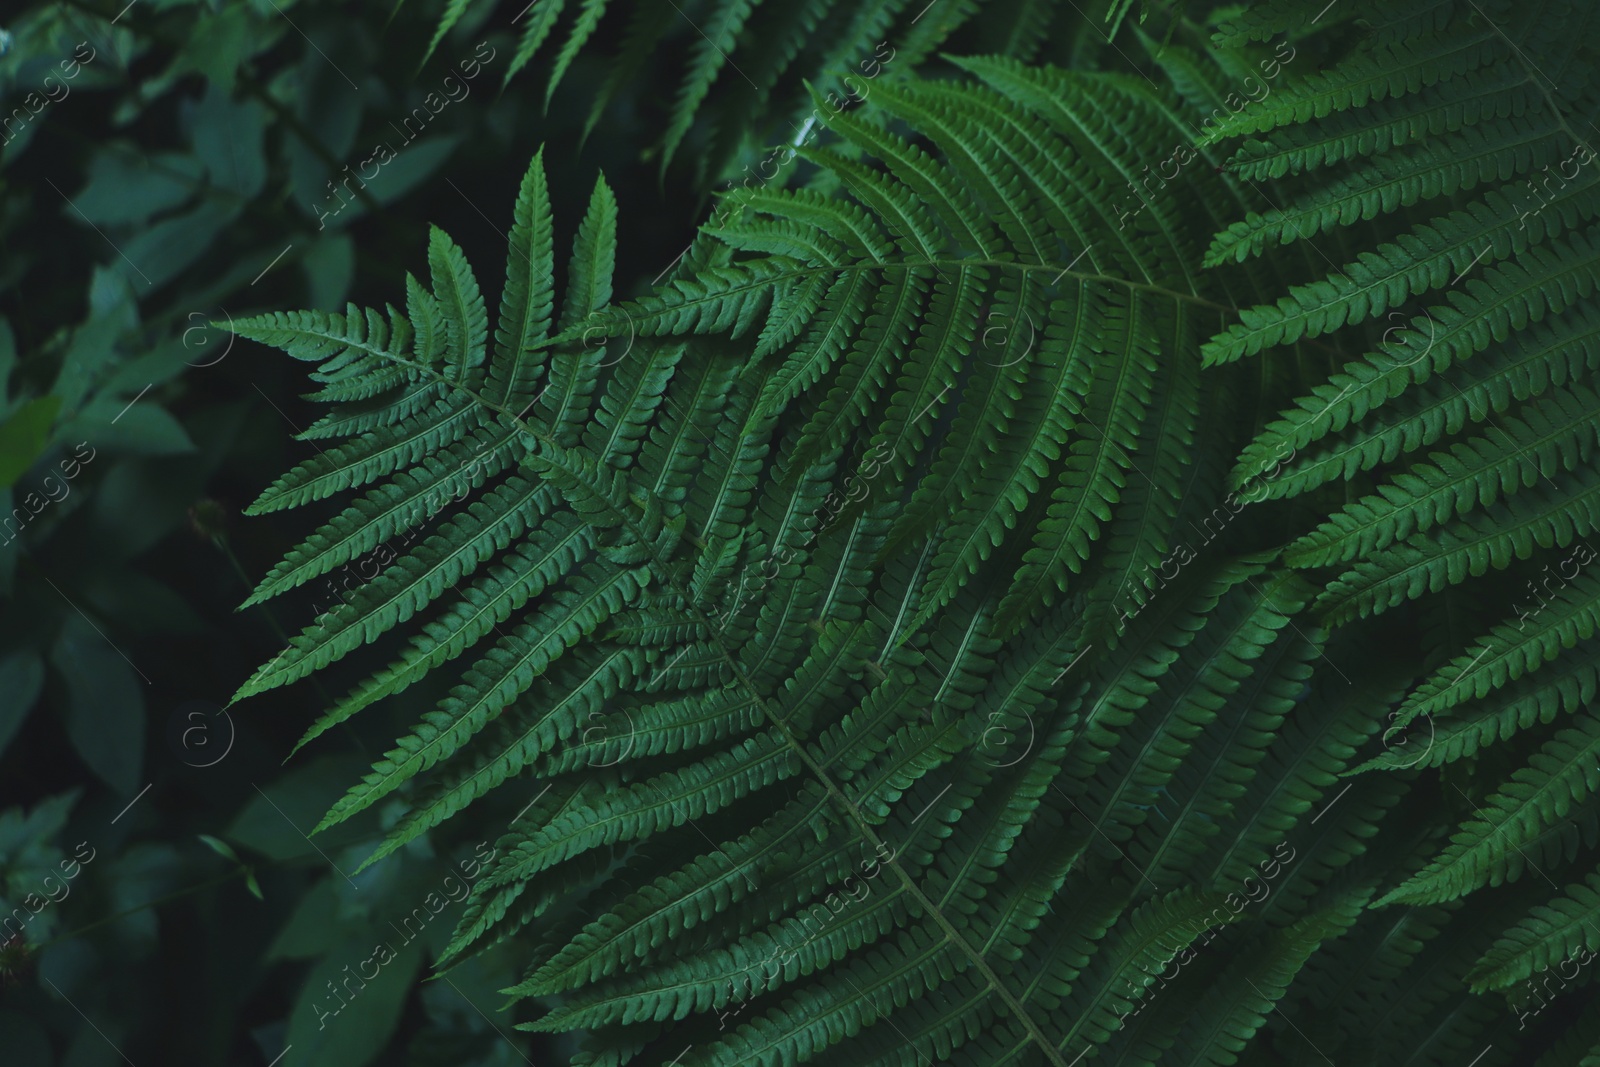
843,802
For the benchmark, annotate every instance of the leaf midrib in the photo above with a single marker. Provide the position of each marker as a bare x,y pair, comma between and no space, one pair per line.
1034,1032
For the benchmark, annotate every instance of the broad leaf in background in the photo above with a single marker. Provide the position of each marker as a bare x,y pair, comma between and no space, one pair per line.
105,705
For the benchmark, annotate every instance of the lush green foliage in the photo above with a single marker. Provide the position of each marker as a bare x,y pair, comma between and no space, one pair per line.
999,689
739,68
163,164
1086,557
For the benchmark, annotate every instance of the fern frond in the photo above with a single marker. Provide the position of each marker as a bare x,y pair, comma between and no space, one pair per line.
1508,652
1561,933
1494,846
795,590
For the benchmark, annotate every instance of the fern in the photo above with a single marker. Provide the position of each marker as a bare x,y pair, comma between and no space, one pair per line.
1453,177
875,630
635,608
739,66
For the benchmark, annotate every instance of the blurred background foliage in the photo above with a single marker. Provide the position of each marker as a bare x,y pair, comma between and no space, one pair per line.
167,165
164,166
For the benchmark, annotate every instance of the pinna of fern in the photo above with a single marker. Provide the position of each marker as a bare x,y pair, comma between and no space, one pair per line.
1450,148
844,722
801,832
740,68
